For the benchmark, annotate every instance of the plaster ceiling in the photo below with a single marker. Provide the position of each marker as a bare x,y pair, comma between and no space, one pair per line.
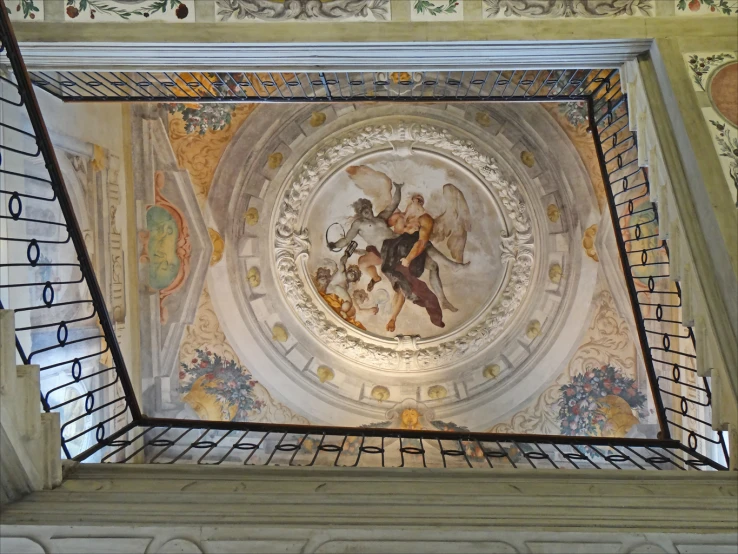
285,274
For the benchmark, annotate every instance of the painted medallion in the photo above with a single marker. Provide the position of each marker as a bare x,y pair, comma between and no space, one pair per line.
405,245
723,91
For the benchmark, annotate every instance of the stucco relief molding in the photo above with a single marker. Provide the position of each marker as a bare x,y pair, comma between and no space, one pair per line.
288,251
291,243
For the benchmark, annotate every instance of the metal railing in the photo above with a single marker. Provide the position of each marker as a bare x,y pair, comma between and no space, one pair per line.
214,443
405,86
52,291
46,275
683,397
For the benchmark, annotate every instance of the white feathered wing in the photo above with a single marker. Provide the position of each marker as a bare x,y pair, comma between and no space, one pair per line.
454,224
374,184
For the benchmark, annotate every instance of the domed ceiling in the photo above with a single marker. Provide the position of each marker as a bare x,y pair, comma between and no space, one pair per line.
399,265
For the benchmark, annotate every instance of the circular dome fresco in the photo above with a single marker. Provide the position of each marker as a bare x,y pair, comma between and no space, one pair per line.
419,206
403,251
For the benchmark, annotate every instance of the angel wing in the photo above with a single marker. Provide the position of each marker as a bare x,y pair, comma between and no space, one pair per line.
454,223
375,184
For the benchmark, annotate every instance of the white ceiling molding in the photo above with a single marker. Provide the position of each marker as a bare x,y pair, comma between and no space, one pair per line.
455,56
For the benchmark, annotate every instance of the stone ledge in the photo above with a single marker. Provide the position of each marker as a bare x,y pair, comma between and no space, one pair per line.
533,500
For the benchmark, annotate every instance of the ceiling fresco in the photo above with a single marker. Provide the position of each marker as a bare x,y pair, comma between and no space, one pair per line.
380,239
434,266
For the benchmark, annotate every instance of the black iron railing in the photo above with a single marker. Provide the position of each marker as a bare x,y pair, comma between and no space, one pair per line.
46,275
683,398
51,286
216,443
403,86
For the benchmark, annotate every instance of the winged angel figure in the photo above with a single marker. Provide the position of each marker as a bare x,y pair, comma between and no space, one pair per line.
401,243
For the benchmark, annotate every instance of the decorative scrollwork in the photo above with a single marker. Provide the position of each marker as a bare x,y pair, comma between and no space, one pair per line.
301,9
567,8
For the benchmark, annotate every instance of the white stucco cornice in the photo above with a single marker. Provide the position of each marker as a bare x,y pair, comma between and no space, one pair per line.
349,56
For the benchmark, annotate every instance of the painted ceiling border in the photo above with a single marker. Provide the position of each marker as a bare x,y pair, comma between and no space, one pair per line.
431,56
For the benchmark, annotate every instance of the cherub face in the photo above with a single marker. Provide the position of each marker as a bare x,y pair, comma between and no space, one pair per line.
353,273
322,278
410,418
360,296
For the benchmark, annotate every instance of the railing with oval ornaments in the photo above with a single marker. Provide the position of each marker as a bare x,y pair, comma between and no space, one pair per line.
46,275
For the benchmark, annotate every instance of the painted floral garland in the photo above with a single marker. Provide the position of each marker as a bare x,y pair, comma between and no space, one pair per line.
579,407
229,382
203,117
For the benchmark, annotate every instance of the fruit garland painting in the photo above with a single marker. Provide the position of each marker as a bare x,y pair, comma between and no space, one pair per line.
701,66
726,7
217,388
600,402
113,7
27,6
201,118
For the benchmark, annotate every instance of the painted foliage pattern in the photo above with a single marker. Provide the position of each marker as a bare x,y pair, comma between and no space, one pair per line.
126,9
700,66
727,148
573,119
357,10
567,8
606,353
27,8
435,8
271,10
